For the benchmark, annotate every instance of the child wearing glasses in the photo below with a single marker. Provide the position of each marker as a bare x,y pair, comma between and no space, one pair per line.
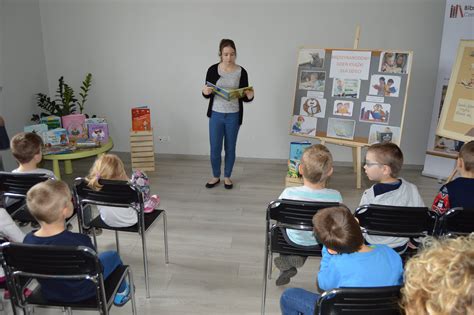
383,163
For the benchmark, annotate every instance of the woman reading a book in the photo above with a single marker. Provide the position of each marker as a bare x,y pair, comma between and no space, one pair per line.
225,112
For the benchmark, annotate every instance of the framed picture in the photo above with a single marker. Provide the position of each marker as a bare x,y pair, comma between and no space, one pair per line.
312,80
304,125
343,108
313,107
457,116
311,57
374,112
341,128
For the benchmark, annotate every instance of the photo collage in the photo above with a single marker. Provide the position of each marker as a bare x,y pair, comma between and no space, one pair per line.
346,93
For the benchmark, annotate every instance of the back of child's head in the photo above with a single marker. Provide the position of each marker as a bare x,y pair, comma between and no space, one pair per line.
107,166
25,146
467,155
388,154
47,199
316,163
338,230
439,278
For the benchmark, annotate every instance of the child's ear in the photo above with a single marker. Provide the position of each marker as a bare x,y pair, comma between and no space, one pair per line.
330,172
460,164
332,252
300,169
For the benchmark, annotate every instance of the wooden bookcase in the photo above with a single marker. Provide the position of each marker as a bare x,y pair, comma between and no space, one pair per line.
142,150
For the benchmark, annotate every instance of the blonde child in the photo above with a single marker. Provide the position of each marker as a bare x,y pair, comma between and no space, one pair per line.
316,168
109,166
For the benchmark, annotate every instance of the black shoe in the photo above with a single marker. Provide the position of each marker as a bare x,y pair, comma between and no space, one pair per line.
209,185
285,276
228,186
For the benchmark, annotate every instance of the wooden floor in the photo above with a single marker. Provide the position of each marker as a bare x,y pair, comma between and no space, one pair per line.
216,237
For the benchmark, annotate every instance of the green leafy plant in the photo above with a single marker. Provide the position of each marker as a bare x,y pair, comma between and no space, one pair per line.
65,102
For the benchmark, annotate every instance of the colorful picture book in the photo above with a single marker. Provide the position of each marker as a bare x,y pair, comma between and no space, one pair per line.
141,119
98,132
229,94
55,137
296,152
57,150
39,129
52,122
75,127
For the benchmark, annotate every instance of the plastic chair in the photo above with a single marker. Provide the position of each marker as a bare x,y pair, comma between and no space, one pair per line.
456,222
292,214
360,301
46,262
119,194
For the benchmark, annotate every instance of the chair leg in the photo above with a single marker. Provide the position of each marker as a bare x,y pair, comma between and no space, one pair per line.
94,237
145,265
265,271
165,236
270,266
117,242
132,291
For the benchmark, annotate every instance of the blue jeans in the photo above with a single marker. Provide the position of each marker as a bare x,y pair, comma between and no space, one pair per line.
111,260
295,301
223,127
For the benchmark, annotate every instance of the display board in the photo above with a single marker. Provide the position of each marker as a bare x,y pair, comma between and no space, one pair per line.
351,96
457,114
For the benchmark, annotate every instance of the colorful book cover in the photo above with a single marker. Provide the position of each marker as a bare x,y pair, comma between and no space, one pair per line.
229,94
75,126
95,120
57,149
98,132
141,118
53,122
296,152
56,137
39,129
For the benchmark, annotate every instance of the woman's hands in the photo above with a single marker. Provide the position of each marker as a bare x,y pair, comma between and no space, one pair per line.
207,90
249,94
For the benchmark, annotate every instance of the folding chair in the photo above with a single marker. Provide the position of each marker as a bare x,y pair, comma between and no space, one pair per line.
456,222
119,194
46,262
14,186
360,301
397,221
291,214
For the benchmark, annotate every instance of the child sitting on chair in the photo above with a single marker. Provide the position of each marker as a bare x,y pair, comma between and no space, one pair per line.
316,168
109,166
26,148
50,203
458,193
383,162
346,261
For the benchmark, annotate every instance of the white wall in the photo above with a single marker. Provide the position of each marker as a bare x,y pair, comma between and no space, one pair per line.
156,53
22,64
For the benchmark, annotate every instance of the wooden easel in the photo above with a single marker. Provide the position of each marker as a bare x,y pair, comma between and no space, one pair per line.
356,147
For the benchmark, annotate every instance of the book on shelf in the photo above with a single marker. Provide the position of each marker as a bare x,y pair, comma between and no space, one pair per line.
57,149
229,94
39,129
52,122
141,120
75,126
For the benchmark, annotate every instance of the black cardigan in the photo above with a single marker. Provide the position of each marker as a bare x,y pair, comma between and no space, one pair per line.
213,75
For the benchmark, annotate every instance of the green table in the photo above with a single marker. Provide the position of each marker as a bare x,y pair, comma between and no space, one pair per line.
79,154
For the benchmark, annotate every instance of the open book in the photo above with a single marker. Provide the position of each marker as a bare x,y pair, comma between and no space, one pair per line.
229,94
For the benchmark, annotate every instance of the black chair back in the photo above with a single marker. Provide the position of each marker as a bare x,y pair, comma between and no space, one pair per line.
296,213
360,301
46,261
457,221
397,221
113,193
18,184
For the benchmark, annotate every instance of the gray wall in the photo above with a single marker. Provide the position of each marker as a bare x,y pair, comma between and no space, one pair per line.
156,53
22,64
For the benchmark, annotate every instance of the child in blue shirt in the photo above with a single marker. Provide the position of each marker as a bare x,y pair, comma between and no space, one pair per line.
50,203
346,261
316,168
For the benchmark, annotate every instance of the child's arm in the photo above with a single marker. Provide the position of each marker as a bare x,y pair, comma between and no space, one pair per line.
328,276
